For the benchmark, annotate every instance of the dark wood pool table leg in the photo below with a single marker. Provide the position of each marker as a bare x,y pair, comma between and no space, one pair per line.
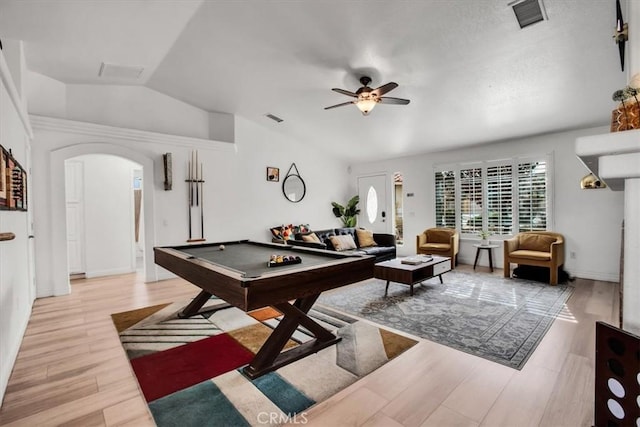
271,357
194,306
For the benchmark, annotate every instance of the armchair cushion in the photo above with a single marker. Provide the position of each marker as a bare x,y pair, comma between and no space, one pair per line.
534,255
438,235
436,246
535,242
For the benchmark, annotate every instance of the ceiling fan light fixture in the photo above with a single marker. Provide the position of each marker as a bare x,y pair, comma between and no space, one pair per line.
366,105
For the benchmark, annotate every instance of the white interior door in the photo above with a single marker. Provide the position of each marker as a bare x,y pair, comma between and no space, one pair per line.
75,216
373,204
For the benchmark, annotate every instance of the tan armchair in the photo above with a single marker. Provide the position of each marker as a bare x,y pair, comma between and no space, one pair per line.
439,241
539,248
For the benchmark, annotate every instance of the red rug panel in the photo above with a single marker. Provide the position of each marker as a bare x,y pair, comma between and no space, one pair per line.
165,372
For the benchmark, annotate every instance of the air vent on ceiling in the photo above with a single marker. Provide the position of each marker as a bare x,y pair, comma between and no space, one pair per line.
274,118
120,71
528,12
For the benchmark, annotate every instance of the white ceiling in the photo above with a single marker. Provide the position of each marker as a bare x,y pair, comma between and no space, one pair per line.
472,75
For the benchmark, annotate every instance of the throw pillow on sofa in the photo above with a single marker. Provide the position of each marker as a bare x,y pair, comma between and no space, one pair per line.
343,243
311,237
277,232
365,238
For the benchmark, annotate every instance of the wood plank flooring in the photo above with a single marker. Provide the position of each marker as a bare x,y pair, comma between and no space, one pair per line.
71,369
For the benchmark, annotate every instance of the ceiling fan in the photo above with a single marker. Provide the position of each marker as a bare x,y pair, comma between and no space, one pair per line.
367,98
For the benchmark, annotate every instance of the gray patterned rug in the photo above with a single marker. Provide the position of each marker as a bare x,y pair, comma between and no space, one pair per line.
499,319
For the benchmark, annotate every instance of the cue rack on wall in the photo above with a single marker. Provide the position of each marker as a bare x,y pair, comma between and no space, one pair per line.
13,183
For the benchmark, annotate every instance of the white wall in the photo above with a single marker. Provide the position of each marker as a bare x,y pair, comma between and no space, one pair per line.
239,203
16,286
108,214
589,219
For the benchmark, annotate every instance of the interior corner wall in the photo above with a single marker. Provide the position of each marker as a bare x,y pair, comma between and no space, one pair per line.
590,220
222,127
135,107
16,283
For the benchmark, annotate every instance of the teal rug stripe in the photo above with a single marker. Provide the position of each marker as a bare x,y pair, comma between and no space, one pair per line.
199,405
285,396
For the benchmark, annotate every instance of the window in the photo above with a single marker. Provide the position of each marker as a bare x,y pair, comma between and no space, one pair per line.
532,196
503,197
446,199
500,199
471,200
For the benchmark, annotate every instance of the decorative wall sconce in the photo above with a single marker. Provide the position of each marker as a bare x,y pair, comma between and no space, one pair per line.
168,174
591,182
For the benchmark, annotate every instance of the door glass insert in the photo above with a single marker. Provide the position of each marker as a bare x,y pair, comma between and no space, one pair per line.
372,205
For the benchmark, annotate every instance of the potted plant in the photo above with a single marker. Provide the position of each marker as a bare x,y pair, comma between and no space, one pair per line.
348,214
484,236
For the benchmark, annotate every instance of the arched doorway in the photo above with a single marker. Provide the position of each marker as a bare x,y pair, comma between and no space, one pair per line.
103,215
57,216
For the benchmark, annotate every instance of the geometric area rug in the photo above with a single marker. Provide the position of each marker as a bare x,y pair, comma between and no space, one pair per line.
496,318
190,370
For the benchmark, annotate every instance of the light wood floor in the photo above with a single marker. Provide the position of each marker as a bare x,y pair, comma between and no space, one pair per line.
71,369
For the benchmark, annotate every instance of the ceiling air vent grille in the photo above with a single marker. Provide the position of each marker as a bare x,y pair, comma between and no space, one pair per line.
528,12
120,71
274,118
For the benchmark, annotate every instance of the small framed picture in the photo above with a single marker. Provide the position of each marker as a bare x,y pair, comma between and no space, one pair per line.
3,177
273,174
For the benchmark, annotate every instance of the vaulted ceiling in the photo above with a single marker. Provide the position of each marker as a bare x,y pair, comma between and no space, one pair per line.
472,75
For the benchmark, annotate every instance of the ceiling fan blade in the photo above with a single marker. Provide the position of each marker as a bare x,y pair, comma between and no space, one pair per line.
344,92
621,45
340,105
619,20
389,100
384,89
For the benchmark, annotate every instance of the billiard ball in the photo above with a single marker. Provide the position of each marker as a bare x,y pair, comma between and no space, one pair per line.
221,247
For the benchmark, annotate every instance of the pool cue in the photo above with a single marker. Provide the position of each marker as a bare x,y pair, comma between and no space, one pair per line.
202,202
191,177
197,188
190,195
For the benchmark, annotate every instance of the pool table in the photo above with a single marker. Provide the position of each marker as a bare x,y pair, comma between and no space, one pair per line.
239,274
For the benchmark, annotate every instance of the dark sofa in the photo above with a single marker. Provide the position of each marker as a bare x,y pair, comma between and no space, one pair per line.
385,243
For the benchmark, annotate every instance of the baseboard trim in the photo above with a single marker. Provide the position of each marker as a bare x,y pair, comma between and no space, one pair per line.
112,272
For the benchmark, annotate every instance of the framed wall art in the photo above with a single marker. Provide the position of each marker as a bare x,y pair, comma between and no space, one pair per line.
3,178
273,174
13,183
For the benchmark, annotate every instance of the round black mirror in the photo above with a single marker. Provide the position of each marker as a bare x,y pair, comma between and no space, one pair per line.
293,186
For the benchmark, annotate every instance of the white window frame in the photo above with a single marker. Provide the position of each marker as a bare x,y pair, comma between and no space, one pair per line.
513,162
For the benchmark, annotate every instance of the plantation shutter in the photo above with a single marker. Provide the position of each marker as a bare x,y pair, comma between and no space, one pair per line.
445,199
532,196
471,200
500,199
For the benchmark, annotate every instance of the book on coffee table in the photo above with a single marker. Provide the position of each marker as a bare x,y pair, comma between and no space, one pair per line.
415,260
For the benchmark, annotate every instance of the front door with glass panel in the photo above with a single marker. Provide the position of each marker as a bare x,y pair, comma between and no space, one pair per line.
373,204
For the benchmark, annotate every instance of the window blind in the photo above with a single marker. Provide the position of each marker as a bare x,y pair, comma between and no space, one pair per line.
500,199
532,196
445,199
471,200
